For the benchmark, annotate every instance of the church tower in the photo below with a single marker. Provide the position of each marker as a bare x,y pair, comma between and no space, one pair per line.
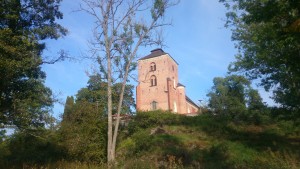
158,86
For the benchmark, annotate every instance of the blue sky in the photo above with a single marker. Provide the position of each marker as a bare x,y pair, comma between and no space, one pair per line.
197,40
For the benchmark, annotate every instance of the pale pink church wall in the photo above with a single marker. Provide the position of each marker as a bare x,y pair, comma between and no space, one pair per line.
166,93
147,93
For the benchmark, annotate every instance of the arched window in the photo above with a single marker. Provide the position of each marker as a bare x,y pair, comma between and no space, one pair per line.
152,66
175,107
154,105
174,83
153,80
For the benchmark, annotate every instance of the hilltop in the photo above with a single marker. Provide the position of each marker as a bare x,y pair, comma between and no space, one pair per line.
165,140
160,139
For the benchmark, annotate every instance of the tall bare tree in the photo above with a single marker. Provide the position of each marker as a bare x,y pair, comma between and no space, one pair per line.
121,28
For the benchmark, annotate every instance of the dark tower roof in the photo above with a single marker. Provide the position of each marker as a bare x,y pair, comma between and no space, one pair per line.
179,84
155,53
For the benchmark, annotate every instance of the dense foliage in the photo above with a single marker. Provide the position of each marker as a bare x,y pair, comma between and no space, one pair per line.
84,124
234,97
267,33
158,140
24,99
37,148
166,140
83,132
80,137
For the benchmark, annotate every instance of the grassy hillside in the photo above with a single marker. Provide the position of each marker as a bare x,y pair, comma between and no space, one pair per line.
164,140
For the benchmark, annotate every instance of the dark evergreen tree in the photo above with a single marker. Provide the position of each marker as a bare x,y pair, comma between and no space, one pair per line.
68,107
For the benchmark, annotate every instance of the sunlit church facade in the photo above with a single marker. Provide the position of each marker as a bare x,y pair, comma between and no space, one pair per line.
158,86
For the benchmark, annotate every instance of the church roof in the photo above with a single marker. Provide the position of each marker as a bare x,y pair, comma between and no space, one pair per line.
191,101
155,53
179,84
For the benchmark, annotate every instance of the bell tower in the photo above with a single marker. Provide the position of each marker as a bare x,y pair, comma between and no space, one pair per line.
158,86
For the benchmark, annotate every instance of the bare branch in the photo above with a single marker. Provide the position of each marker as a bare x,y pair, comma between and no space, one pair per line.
63,55
118,34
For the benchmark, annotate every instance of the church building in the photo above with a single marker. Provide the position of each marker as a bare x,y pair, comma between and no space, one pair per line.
158,86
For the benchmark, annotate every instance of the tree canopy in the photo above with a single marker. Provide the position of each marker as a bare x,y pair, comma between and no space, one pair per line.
233,95
24,99
84,123
267,33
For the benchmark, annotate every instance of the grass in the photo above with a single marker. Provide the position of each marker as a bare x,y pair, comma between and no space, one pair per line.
62,165
206,141
209,142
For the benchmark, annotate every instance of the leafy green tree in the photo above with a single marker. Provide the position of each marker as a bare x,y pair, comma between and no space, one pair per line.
84,124
39,147
258,112
68,107
24,99
96,92
255,102
84,132
228,94
267,35
233,95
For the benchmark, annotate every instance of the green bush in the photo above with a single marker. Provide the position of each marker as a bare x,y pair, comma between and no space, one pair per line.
216,157
32,148
289,128
236,155
144,120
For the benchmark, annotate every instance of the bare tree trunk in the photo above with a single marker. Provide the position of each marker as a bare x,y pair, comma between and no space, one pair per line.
118,27
109,113
131,57
115,134
108,42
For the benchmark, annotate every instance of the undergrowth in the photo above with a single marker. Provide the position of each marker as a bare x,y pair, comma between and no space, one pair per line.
165,140
207,141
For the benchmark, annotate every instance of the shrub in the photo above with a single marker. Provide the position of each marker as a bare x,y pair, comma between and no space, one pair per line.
144,120
34,148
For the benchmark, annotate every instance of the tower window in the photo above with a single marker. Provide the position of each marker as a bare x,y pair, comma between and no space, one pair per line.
154,105
153,80
175,107
174,83
152,66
